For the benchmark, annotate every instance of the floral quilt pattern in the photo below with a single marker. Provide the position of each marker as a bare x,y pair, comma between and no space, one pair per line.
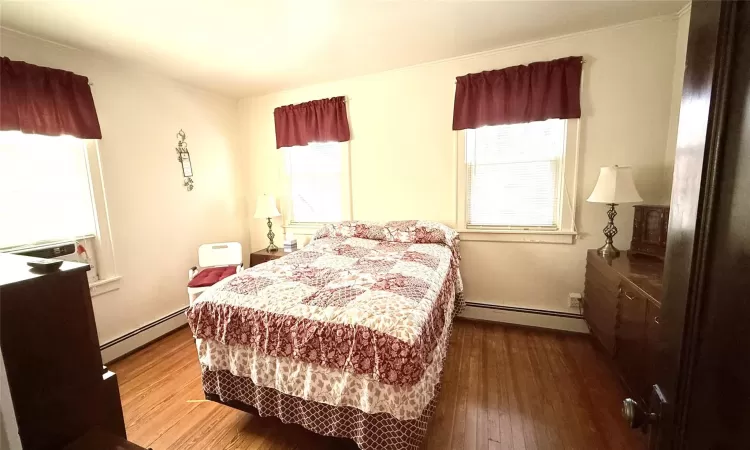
367,299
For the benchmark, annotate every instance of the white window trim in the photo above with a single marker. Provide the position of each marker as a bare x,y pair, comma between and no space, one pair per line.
109,279
309,228
565,235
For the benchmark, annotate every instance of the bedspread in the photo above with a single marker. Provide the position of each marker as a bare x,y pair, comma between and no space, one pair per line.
370,300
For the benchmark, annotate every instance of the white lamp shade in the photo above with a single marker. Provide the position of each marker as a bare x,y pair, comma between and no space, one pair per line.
615,185
265,207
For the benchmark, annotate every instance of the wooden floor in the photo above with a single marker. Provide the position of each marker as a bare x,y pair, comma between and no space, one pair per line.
503,388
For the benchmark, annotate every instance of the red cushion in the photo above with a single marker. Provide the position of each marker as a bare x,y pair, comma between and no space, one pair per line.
211,275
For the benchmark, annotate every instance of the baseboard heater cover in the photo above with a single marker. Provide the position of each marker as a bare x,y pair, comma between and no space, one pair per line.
540,318
128,342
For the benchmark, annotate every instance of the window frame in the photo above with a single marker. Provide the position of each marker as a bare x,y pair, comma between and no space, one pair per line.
309,228
109,278
566,232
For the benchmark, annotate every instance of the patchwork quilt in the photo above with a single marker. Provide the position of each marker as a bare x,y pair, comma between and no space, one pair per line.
360,317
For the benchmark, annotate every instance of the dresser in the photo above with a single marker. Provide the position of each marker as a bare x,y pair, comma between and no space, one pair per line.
622,300
58,387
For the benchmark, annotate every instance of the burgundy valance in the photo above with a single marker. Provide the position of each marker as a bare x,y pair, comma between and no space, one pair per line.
40,100
539,91
315,121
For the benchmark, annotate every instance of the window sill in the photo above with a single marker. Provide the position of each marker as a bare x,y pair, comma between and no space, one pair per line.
532,236
103,286
304,229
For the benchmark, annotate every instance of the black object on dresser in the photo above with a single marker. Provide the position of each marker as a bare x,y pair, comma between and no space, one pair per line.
621,306
50,350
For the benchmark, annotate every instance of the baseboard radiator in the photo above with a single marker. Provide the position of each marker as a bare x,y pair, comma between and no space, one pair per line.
539,318
140,337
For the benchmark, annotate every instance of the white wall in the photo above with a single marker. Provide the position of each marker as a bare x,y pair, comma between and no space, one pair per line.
403,160
156,224
678,74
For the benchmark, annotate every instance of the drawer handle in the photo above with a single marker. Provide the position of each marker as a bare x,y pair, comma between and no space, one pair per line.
656,320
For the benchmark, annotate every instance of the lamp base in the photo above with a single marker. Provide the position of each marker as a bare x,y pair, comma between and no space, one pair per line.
608,251
271,246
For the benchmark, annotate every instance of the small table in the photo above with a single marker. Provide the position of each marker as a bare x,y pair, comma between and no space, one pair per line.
264,255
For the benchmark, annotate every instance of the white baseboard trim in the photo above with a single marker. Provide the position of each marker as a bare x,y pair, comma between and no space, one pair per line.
125,344
552,320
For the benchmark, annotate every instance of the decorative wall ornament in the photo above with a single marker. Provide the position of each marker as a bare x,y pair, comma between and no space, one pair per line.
183,156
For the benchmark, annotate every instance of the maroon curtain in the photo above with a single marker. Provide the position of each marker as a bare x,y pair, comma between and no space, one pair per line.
315,121
40,100
539,91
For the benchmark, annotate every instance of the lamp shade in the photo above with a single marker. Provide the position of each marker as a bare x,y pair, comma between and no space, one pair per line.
615,185
265,207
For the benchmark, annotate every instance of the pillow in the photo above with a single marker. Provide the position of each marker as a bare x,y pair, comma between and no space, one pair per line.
352,228
211,275
416,231
422,232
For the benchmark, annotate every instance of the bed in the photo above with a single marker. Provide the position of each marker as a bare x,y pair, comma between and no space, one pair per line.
346,337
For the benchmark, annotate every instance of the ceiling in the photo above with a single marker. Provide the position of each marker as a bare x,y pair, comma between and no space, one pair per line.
248,47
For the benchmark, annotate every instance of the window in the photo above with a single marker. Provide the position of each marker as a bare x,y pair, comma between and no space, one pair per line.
317,183
512,178
514,174
45,192
51,192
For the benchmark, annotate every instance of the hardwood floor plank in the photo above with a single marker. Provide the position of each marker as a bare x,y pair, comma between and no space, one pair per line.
459,414
483,438
442,421
150,355
493,402
503,388
149,428
582,432
163,367
605,395
523,383
473,400
509,414
558,426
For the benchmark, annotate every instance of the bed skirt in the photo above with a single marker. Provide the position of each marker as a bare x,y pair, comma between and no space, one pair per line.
379,431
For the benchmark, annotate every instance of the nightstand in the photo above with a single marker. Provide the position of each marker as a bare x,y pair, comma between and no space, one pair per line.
264,255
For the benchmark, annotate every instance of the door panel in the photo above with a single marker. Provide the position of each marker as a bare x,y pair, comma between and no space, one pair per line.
705,350
718,414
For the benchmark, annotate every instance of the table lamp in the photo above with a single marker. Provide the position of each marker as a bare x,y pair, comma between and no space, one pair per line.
265,208
614,186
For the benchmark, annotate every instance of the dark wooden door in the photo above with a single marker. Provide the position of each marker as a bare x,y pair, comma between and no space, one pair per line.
704,354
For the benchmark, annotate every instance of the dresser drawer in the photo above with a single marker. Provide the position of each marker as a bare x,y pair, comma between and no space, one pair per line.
632,350
603,275
600,313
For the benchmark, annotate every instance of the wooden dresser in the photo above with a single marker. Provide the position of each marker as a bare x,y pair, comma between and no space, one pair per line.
50,348
621,306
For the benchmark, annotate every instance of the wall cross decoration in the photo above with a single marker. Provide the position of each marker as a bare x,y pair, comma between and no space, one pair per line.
183,156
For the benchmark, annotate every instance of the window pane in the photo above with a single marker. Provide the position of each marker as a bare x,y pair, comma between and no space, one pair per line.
315,174
514,174
44,189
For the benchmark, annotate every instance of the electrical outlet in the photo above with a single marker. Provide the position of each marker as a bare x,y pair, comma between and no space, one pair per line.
574,299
